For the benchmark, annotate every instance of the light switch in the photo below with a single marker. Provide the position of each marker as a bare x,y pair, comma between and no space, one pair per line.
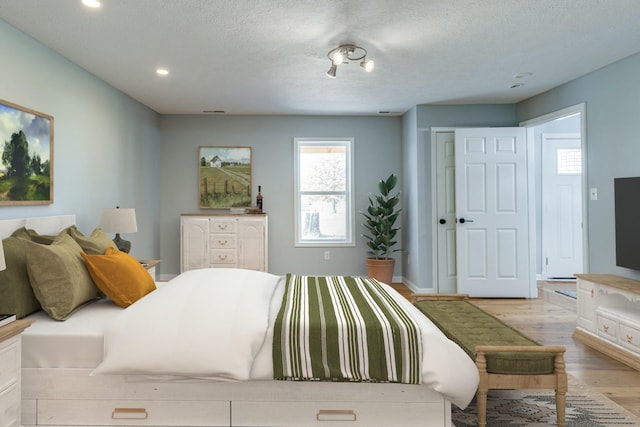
594,193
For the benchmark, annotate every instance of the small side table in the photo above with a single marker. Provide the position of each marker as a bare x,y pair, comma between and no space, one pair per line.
10,371
150,265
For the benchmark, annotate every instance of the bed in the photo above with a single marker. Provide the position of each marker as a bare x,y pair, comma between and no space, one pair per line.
85,371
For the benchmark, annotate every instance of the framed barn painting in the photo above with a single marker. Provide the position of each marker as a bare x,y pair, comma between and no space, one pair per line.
26,149
224,177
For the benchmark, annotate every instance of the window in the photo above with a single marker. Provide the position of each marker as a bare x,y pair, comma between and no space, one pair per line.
323,187
569,161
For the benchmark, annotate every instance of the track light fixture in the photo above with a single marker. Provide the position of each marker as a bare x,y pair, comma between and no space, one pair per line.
346,53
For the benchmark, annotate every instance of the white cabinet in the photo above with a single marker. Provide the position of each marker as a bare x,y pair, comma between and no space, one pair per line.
221,241
10,370
609,316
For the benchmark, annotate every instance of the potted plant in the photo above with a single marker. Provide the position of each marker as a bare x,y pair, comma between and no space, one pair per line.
381,216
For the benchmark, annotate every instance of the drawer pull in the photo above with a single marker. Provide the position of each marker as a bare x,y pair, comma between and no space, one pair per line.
336,415
222,242
222,226
129,414
629,338
592,292
606,328
222,257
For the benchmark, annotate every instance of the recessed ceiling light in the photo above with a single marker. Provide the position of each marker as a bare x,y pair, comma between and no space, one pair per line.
92,3
523,75
516,85
162,71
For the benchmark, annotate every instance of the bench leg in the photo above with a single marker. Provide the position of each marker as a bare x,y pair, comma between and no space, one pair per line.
481,404
561,400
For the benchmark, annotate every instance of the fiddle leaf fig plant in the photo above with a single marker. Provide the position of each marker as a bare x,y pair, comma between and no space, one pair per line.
381,217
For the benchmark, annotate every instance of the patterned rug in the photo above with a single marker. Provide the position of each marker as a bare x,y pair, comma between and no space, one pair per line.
585,408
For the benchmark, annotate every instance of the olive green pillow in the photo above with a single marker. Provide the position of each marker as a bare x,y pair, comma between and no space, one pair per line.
59,277
16,295
96,244
29,234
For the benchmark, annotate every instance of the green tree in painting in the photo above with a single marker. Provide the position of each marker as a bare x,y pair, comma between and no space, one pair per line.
16,156
36,165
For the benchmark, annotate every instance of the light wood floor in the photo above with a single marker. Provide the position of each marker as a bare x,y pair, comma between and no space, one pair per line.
551,321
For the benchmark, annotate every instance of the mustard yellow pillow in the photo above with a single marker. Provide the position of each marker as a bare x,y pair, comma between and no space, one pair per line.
119,276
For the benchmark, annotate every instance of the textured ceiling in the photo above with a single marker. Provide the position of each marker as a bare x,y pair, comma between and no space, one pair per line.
269,56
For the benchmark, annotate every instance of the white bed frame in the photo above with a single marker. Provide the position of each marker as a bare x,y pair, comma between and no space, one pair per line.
71,397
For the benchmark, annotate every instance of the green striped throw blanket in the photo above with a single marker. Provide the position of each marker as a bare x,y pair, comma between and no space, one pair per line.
341,328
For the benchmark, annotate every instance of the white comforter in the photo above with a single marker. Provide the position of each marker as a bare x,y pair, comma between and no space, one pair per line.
218,324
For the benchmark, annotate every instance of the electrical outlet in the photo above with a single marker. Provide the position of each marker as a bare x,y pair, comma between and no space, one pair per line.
594,193
327,255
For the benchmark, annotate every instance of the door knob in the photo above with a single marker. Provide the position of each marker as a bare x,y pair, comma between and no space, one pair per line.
442,221
462,220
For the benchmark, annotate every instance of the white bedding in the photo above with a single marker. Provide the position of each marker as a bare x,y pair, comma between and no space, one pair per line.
218,324
77,342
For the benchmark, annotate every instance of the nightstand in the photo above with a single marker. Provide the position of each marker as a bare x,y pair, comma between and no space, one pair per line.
10,372
150,265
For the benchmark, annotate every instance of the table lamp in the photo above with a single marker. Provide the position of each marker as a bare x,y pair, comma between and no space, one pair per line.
119,221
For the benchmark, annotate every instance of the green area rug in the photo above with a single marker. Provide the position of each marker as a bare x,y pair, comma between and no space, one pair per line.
585,408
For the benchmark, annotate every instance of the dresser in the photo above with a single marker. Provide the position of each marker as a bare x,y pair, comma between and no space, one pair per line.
609,316
10,372
223,241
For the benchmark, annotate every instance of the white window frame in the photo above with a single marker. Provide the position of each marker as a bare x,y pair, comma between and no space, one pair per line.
349,240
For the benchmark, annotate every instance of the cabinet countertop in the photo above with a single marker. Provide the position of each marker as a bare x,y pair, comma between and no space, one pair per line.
613,281
224,214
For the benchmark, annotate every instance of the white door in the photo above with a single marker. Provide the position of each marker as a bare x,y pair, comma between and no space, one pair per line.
445,210
561,205
492,233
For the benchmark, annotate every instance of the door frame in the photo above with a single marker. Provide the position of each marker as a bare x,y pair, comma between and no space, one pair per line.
530,197
548,235
529,124
434,206
555,115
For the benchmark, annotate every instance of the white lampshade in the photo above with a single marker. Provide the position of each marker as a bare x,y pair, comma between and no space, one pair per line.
118,220
3,264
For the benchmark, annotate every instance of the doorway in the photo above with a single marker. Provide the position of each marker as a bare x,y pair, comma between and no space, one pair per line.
482,212
560,176
568,124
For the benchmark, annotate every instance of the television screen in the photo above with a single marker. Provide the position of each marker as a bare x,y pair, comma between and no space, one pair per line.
627,217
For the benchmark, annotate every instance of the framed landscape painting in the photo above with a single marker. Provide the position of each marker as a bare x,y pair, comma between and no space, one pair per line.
26,153
224,177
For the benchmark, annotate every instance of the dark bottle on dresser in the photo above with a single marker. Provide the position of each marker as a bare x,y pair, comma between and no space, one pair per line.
259,198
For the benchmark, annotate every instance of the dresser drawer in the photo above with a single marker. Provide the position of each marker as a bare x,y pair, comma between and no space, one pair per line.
223,241
630,337
226,257
143,413
9,362
223,226
336,414
607,326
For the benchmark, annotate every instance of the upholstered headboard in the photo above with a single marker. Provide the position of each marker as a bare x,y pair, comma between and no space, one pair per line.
43,224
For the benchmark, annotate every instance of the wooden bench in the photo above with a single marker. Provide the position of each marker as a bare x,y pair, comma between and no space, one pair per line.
506,359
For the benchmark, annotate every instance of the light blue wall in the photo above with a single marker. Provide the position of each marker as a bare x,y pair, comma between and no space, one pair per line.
111,150
106,145
612,97
378,145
